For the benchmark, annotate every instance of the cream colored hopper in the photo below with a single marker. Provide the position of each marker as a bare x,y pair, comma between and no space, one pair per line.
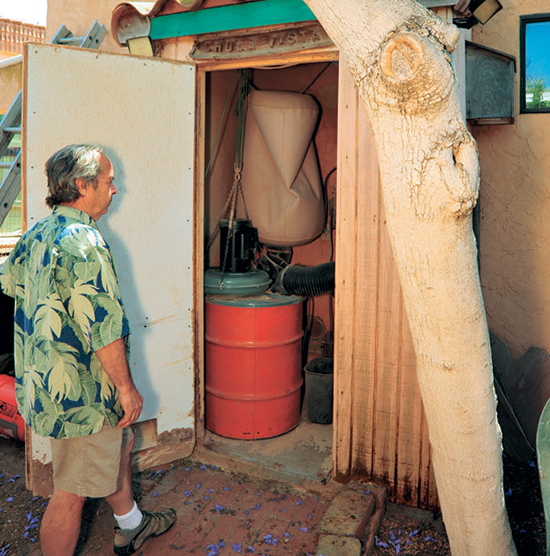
281,181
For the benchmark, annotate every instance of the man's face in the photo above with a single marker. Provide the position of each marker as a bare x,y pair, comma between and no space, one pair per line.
101,193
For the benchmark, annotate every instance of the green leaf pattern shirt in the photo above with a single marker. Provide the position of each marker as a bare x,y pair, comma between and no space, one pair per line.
67,306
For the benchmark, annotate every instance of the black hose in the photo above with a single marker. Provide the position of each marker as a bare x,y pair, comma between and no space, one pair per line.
306,280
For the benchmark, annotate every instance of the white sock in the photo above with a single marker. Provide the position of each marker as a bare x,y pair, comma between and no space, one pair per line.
130,520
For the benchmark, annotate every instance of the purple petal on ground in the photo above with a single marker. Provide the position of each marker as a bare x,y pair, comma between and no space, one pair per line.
257,506
226,488
266,537
281,511
397,549
187,493
219,508
222,543
367,491
392,535
532,464
207,497
237,547
304,529
213,467
188,469
9,499
198,486
246,512
287,535
154,494
35,520
413,533
209,490
160,472
28,516
521,531
275,541
309,516
33,539
298,503
25,534
252,549
35,498
382,544
202,467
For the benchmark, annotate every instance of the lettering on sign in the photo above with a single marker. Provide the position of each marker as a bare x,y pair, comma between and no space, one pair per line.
286,39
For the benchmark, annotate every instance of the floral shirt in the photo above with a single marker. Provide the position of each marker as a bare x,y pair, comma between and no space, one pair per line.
67,306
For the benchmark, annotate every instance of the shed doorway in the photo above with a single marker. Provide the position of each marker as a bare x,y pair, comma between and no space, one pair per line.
304,453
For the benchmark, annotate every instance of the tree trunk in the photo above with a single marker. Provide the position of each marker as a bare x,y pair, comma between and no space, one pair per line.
398,53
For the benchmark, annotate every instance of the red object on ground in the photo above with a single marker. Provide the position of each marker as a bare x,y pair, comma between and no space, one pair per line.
11,423
253,375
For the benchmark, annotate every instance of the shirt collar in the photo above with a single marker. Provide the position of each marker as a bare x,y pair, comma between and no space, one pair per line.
74,214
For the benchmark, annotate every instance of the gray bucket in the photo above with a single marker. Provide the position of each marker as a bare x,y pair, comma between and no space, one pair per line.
318,396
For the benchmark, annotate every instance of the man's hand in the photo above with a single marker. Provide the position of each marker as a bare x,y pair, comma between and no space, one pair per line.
132,404
113,360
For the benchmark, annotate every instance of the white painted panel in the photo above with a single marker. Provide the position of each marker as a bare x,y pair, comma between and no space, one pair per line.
142,111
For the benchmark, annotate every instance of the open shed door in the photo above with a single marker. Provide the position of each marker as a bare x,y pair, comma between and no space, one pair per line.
142,111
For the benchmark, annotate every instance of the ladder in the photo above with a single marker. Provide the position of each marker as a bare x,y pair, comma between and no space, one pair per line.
11,124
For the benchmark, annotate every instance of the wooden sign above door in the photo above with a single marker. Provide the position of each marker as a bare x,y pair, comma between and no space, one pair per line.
264,42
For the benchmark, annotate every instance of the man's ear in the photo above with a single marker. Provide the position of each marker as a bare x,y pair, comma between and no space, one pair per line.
82,186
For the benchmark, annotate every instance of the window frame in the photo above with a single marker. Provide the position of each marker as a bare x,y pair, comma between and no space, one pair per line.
524,21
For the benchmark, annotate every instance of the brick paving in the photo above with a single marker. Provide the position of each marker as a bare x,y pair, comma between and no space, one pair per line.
219,514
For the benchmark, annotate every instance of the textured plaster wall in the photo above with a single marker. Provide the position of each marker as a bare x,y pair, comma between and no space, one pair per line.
10,84
515,204
79,16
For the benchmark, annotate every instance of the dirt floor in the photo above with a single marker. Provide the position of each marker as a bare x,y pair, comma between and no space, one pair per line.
404,531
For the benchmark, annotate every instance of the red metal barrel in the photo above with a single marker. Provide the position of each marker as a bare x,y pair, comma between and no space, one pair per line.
253,374
11,423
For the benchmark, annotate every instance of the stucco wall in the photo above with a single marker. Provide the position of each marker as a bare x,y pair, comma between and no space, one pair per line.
79,17
10,84
515,204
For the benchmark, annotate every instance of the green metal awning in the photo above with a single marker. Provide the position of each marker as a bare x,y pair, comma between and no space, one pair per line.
228,18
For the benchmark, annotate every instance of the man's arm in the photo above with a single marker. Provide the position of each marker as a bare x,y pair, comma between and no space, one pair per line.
113,359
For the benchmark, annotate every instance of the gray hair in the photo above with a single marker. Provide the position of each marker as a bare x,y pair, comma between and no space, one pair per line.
66,166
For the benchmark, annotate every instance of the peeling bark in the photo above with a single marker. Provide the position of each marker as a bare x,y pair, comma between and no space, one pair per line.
398,53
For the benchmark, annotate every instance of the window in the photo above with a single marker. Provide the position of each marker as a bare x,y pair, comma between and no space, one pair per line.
535,63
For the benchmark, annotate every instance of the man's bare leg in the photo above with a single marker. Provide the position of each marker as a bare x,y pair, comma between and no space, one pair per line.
61,524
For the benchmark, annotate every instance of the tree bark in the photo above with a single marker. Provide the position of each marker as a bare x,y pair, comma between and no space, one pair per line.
398,54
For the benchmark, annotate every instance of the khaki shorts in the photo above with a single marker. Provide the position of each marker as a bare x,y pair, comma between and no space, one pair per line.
89,465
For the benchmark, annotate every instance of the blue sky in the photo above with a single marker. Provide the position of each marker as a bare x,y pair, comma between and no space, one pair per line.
537,50
27,11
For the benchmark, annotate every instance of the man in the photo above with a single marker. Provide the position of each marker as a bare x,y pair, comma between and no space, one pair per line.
73,382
